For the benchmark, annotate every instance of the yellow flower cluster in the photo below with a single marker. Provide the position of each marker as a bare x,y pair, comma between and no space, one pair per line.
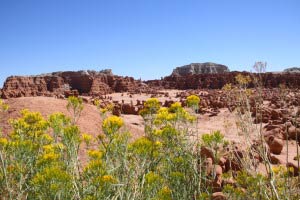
242,79
174,113
95,154
163,116
3,106
157,133
108,179
74,103
94,165
46,138
193,101
158,144
112,124
103,110
142,146
50,156
97,102
165,193
3,142
227,87
107,108
30,125
87,138
153,178
176,107
110,107
58,120
57,147
151,106
282,170
51,180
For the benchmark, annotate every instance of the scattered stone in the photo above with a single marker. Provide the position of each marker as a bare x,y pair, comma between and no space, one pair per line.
218,196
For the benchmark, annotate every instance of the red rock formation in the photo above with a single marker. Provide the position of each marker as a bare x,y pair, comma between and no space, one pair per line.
58,83
217,81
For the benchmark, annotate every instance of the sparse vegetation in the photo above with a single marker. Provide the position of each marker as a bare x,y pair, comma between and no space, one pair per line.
40,158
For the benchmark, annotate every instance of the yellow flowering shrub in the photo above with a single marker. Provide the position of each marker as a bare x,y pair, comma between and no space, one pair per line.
71,136
108,179
193,102
103,111
172,115
75,107
48,159
95,154
112,124
57,121
87,138
52,182
180,113
3,106
142,146
3,142
243,80
163,116
153,178
165,194
151,106
31,125
227,87
94,167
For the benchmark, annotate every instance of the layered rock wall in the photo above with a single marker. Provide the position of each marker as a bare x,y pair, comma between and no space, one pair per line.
200,68
59,83
217,81
94,83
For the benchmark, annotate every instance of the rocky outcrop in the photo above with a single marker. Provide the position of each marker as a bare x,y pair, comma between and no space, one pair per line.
217,81
292,70
85,82
92,83
200,68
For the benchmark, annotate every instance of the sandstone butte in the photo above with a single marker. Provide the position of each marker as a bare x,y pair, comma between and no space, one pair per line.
92,83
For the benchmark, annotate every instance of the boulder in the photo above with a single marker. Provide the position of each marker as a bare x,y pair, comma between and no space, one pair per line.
128,109
218,196
275,144
207,152
293,132
116,110
275,160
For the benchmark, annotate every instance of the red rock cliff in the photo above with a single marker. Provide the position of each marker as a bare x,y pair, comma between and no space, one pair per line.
217,81
57,83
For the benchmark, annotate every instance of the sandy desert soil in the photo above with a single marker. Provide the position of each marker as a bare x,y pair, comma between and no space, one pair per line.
90,120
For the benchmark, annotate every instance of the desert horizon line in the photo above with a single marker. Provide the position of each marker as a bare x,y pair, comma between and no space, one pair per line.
112,69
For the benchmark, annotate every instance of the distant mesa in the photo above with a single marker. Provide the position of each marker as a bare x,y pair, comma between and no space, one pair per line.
200,68
292,70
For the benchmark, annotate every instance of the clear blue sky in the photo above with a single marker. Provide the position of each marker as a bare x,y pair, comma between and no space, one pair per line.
146,38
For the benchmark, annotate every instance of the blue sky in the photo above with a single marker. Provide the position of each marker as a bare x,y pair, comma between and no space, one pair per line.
146,38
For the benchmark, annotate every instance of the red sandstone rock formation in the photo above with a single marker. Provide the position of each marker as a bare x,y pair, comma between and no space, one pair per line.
57,83
218,80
